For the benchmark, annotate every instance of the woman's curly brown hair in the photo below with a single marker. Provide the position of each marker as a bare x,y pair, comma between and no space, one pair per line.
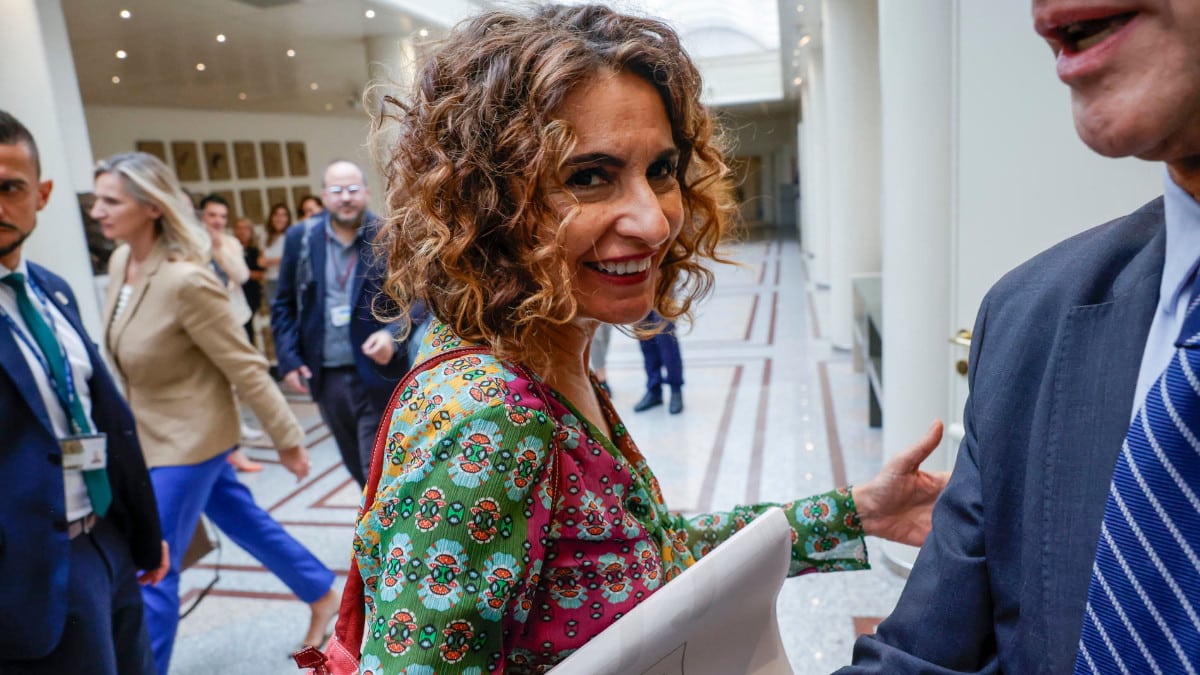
472,159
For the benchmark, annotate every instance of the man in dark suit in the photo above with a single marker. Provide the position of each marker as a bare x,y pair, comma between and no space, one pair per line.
327,338
1016,576
77,515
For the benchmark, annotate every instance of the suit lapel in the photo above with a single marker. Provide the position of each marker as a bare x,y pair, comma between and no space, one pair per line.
319,244
116,327
12,360
1094,376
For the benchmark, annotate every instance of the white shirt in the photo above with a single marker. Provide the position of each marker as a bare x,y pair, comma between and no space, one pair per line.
77,500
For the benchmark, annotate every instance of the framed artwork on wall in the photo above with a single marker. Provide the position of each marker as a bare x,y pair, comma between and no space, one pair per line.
297,158
230,199
252,205
246,159
156,148
216,160
299,192
187,162
276,195
272,158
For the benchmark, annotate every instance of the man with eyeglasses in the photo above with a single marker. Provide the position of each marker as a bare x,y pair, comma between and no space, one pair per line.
327,338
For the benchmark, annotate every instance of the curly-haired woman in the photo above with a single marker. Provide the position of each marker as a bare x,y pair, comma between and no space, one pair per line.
553,170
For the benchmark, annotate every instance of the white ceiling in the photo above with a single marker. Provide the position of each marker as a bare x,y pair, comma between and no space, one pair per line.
251,71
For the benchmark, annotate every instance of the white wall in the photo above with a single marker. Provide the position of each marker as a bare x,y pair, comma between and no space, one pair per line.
117,129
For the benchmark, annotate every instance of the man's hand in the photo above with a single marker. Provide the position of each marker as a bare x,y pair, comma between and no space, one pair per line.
154,576
297,380
898,503
380,347
295,460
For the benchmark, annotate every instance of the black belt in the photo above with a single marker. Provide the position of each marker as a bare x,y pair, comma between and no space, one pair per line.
82,525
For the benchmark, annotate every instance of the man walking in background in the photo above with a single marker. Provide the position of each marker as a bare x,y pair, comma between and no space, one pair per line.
327,339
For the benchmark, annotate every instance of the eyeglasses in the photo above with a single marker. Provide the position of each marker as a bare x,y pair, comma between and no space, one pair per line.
338,190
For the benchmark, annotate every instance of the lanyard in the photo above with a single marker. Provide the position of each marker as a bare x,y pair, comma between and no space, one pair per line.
341,279
69,398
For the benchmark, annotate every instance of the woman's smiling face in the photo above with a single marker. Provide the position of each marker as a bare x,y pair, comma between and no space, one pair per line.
620,181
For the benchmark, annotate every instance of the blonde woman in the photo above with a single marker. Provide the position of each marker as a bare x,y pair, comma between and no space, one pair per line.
179,352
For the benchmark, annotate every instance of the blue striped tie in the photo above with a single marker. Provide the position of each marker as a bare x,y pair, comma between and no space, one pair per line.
1143,608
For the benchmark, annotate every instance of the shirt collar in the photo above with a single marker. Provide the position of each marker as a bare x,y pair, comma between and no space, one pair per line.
22,267
1182,213
334,238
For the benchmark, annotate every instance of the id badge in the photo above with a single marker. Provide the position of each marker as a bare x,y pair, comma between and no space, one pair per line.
88,452
339,316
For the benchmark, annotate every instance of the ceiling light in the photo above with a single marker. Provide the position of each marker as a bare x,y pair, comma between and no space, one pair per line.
370,14
329,106
799,8
291,53
804,40
220,37
241,96
424,32
121,54
126,14
200,67
313,86
116,80
798,81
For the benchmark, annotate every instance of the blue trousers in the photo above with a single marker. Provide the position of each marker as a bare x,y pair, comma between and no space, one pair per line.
662,352
105,632
212,487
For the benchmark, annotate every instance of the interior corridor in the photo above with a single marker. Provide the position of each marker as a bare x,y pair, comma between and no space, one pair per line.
772,413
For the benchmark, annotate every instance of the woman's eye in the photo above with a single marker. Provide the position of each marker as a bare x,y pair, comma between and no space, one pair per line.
587,178
662,169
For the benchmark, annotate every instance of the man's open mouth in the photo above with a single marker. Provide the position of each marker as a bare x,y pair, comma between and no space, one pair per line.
1083,35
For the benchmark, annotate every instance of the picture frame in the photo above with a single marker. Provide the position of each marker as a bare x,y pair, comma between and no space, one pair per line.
230,199
187,160
245,158
299,192
216,161
297,157
156,148
277,195
272,159
252,205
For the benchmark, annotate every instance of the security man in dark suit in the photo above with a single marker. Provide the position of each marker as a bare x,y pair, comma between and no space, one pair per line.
77,516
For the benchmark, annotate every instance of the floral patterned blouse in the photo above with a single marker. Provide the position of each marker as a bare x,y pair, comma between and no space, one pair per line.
508,530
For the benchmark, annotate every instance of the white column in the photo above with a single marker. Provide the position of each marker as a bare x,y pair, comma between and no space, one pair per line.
915,51
850,41
817,169
38,79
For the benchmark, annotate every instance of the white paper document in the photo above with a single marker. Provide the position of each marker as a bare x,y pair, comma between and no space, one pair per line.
717,618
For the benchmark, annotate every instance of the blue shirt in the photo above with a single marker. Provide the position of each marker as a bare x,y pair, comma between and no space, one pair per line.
1182,214
341,264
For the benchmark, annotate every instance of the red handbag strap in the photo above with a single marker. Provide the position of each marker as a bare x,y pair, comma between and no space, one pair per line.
351,614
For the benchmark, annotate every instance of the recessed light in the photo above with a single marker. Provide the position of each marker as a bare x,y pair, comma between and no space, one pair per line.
424,32
329,106
200,67
126,14
798,81
220,37
370,13
314,86
291,53
241,96
116,79
121,54
804,40
799,8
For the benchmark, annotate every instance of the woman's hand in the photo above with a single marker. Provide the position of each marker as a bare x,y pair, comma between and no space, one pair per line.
897,504
295,459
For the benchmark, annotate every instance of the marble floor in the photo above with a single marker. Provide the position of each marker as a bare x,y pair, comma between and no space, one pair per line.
772,413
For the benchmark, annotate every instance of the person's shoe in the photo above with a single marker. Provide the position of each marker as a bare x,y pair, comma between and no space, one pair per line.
676,405
324,611
652,398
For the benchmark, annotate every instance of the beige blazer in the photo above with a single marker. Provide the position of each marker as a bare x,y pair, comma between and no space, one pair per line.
178,350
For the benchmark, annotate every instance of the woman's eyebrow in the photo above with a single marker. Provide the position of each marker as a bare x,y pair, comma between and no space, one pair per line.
601,158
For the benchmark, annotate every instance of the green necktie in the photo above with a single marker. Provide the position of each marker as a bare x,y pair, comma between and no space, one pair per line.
96,479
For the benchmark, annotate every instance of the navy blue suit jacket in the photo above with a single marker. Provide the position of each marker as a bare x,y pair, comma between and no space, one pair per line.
298,309
1001,583
35,553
